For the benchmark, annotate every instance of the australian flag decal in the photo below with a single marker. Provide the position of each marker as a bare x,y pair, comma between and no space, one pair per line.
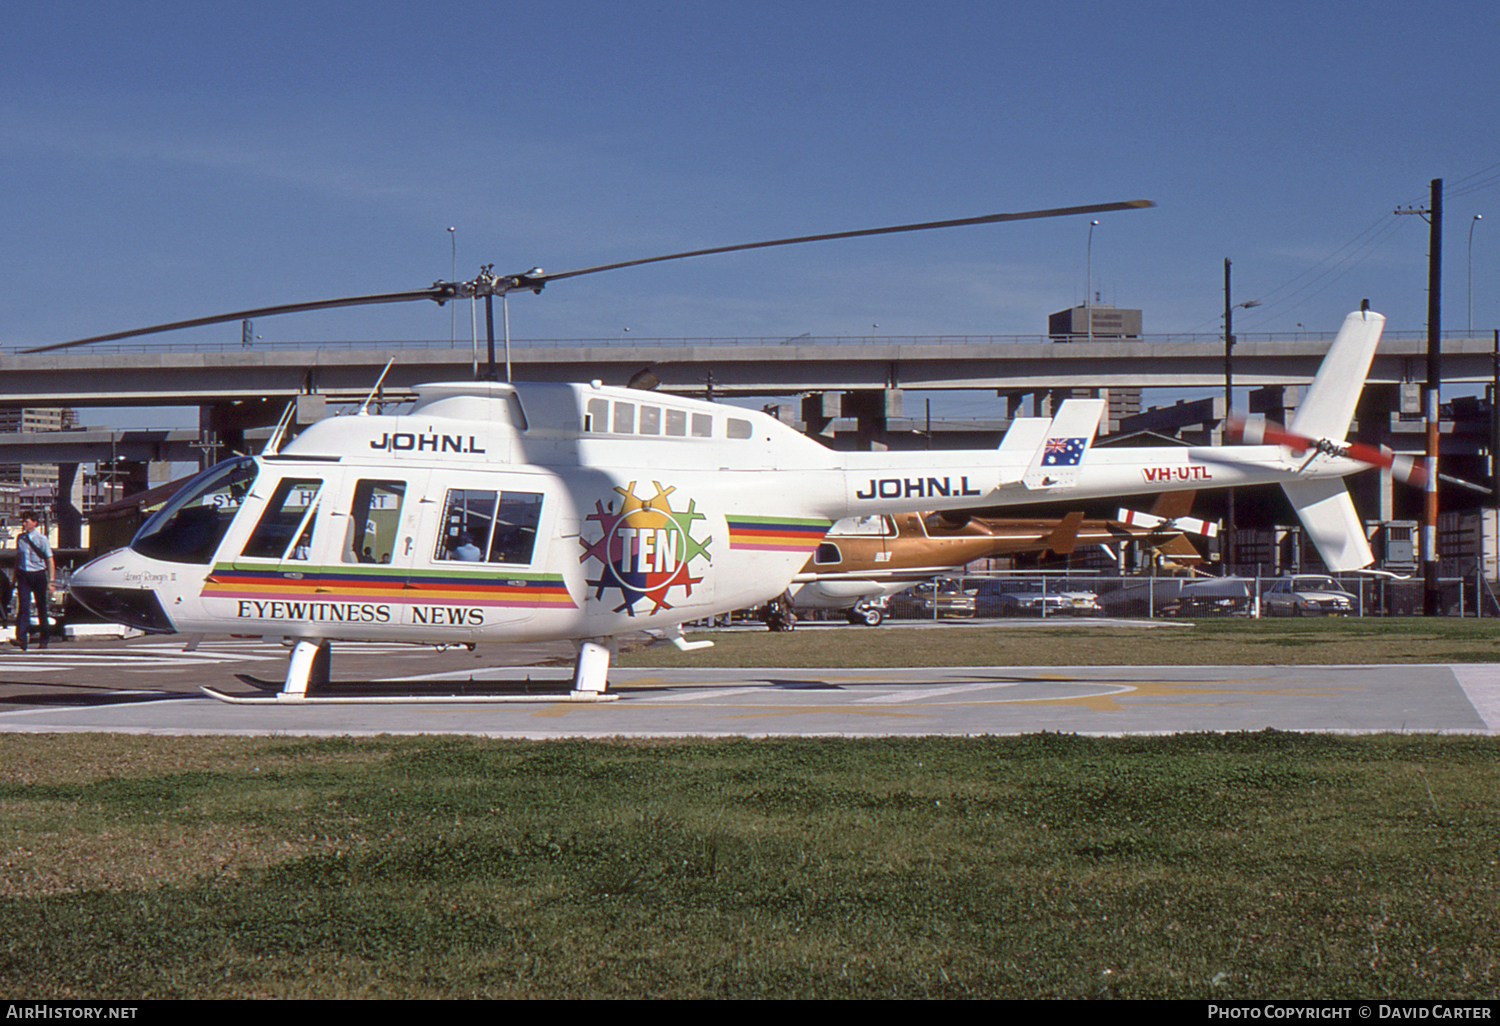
1063,452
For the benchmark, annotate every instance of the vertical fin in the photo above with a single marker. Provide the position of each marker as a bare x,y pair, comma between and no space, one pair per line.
1329,405
1056,461
1064,537
1171,505
1328,516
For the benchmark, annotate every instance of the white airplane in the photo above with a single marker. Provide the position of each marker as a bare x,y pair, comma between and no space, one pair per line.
521,512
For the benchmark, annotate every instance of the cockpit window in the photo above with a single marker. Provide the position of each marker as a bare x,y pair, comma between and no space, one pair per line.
874,525
190,526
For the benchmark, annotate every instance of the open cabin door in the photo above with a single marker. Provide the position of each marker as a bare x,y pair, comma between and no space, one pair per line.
330,554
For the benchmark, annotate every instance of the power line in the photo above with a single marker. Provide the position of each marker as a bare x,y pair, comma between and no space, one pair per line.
1360,248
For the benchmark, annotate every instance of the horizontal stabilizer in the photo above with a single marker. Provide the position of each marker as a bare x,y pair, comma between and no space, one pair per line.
1056,462
1179,550
1161,525
1328,517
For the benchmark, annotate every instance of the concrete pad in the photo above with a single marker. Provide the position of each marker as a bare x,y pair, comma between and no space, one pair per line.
151,686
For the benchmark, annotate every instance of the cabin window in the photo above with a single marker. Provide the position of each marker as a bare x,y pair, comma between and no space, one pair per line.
285,528
468,522
650,420
597,418
374,518
624,418
677,423
827,553
476,522
190,526
739,428
703,426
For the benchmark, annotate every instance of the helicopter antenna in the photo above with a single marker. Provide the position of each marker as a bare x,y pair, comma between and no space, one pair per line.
474,333
505,309
273,444
487,284
364,407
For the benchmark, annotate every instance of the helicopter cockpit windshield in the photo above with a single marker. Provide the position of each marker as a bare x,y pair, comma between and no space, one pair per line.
190,526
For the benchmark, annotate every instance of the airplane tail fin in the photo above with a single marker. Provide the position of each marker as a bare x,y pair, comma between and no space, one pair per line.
1171,505
1328,517
1064,537
1329,405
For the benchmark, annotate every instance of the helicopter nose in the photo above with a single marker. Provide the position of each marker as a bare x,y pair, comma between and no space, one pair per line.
118,587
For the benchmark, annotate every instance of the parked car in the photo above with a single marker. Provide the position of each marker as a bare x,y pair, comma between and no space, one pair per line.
1029,597
1213,596
932,600
1307,595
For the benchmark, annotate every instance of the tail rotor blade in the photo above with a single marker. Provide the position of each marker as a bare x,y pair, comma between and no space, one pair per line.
1258,431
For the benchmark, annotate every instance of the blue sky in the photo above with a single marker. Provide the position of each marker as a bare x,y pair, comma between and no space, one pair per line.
167,160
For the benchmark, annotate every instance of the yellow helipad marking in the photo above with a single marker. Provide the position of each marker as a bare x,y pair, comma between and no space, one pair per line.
1100,695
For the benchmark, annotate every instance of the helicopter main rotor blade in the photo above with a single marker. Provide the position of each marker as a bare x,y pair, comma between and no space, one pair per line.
1026,215
534,280
435,293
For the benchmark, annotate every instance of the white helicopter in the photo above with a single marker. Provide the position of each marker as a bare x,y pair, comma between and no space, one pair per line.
500,512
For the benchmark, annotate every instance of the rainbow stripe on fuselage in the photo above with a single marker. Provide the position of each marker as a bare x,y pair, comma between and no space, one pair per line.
776,534
388,584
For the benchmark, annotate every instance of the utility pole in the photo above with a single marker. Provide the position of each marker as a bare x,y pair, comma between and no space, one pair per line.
1432,588
1232,542
1230,536
1432,594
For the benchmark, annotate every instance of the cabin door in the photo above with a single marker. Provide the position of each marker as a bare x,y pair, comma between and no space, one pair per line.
481,558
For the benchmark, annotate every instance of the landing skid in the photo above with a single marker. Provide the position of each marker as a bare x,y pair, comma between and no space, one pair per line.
355,693
307,682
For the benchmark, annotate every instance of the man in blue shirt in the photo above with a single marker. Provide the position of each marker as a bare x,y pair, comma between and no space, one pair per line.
35,573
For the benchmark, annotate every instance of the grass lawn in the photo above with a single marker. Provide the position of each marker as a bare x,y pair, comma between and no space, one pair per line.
1199,866
1066,642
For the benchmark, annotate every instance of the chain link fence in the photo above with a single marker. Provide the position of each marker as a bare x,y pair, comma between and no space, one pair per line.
1043,595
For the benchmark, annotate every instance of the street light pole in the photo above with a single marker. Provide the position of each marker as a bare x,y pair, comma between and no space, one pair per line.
1088,280
1475,220
453,312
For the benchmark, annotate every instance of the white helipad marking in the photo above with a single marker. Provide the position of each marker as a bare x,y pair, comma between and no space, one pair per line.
922,694
1481,684
155,655
124,659
701,696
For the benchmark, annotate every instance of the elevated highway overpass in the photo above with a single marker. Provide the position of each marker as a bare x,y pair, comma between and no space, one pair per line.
201,376
240,389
